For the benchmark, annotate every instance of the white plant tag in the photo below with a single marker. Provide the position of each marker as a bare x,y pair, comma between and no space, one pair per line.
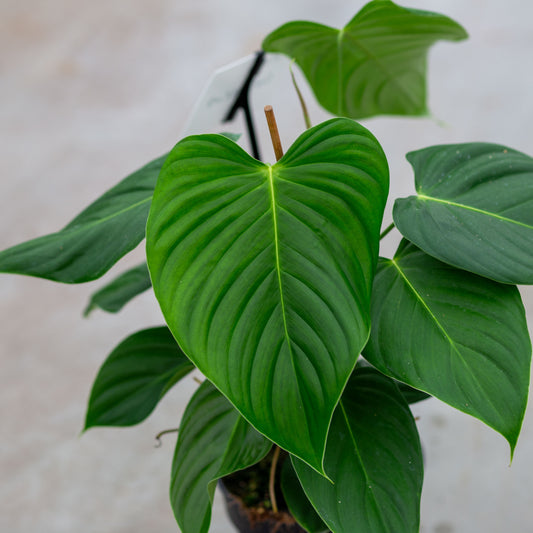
211,110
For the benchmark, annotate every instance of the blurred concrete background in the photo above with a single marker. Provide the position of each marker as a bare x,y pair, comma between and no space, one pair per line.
90,91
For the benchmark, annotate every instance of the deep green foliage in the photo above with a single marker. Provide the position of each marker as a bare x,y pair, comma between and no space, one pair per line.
96,239
255,295
375,65
116,294
135,376
482,194
270,284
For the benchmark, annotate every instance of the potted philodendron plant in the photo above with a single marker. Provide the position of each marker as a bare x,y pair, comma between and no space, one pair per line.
271,285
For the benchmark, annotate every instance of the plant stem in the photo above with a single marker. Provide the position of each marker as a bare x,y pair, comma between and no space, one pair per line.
164,432
278,151
274,132
387,230
272,480
301,98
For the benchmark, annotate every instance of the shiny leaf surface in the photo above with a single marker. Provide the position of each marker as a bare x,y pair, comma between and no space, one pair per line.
374,459
95,240
458,336
473,209
135,376
264,272
214,441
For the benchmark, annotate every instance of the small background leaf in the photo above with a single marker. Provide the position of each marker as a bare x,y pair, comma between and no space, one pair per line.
135,376
410,394
374,459
299,505
375,65
473,209
95,240
460,337
214,441
116,294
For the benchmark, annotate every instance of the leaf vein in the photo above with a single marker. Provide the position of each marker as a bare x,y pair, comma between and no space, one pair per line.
475,210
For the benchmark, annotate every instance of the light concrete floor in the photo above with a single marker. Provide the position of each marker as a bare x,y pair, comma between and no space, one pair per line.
89,91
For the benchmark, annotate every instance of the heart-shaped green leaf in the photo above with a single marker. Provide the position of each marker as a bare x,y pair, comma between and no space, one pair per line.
458,336
375,65
374,459
264,273
473,209
135,376
95,240
116,294
214,441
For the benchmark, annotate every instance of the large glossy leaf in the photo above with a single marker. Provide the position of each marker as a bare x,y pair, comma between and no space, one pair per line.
264,272
135,376
458,336
374,459
473,209
375,65
95,240
214,441
116,294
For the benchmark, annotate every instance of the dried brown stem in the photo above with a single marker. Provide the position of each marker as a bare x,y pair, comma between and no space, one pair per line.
274,132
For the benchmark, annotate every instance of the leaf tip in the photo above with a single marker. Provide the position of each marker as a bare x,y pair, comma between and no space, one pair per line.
88,424
513,441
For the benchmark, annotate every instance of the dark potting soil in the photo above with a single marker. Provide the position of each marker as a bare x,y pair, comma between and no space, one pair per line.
250,490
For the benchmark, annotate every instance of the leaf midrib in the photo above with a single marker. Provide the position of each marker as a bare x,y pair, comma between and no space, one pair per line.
426,307
442,329
380,65
280,282
474,210
358,454
278,262
84,225
340,91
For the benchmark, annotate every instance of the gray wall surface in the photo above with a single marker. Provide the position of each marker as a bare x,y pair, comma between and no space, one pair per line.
90,91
